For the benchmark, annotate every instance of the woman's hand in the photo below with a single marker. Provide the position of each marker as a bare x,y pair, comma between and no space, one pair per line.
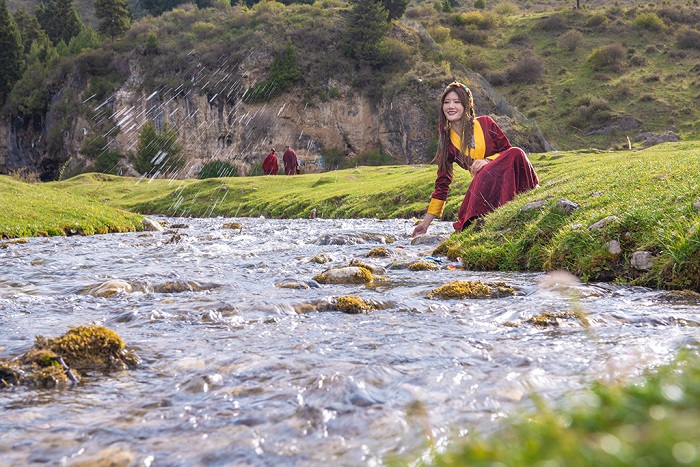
477,165
422,228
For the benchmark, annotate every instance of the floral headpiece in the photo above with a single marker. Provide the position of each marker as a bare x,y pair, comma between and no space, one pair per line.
457,84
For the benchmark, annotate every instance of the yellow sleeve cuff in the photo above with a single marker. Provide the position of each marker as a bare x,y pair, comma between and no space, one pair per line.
436,207
493,156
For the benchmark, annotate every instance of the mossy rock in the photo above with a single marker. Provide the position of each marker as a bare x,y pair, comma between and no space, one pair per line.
550,319
90,348
320,258
345,275
423,265
472,289
379,252
10,374
233,225
352,304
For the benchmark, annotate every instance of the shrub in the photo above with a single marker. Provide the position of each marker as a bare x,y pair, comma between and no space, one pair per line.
596,20
480,4
611,57
282,74
520,38
528,69
157,153
553,23
570,40
439,33
507,9
216,169
649,21
471,35
688,38
591,112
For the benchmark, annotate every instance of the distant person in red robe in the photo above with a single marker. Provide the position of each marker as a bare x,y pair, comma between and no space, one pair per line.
499,171
291,163
269,165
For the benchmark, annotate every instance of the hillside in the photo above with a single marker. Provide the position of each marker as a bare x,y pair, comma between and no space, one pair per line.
585,78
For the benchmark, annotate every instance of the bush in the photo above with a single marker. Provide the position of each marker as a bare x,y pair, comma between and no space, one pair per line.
480,4
528,69
553,23
596,20
217,169
333,158
612,57
507,9
157,154
570,40
649,21
688,38
591,112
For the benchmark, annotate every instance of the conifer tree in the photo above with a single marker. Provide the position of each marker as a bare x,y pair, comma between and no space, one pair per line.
367,26
59,19
395,8
114,17
29,28
11,51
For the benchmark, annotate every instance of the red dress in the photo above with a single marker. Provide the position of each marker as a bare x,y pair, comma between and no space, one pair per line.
509,174
269,165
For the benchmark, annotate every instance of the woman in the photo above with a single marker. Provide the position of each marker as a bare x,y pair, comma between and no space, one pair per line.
478,145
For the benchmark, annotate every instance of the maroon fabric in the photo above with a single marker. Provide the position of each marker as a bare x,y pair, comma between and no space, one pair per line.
270,165
496,184
290,161
496,142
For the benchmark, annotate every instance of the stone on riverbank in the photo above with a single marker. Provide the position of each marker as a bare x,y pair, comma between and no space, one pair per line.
345,275
352,304
472,289
108,288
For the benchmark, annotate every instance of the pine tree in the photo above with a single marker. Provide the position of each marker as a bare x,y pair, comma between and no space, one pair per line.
395,8
29,28
114,17
367,26
11,51
60,20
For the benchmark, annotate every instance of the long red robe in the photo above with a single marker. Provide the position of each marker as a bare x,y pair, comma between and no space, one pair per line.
269,165
497,183
290,161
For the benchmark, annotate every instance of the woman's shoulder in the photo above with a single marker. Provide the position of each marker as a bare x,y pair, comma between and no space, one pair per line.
485,119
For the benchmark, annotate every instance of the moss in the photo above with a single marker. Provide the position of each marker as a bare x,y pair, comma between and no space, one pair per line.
379,252
423,265
352,304
320,258
10,374
549,318
233,225
47,377
90,348
472,289
41,357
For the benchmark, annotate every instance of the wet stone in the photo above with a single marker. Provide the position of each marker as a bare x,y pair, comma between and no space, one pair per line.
352,304
355,239
344,275
472,289
151,225
109,288
321,258
549,319
373,268
233,225
423,265
379,252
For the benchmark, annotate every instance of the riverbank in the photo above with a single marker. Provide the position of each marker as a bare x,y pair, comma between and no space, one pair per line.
628,216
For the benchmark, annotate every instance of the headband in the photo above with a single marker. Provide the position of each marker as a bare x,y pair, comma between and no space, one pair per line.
457,84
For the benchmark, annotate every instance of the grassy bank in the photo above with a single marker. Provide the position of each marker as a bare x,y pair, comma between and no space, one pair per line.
649,196
655,423
30,210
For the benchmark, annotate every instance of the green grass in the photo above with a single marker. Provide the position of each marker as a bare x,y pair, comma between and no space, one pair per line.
30,210
652,194
652,423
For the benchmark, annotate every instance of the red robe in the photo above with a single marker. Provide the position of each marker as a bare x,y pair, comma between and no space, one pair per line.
269,165
509,174
290,161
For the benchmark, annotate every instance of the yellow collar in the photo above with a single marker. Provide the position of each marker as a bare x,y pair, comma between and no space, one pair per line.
479,143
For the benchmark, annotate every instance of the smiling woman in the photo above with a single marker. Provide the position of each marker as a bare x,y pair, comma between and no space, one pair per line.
478,145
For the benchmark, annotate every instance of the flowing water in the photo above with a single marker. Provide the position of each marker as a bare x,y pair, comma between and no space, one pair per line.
239,371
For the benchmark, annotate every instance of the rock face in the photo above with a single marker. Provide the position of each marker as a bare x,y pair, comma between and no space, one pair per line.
211,126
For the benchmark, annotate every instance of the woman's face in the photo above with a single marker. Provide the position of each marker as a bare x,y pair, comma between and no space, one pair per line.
452,107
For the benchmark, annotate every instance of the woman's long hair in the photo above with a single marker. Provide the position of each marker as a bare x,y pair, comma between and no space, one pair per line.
465,97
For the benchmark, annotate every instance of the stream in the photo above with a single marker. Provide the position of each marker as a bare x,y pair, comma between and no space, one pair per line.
238,369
